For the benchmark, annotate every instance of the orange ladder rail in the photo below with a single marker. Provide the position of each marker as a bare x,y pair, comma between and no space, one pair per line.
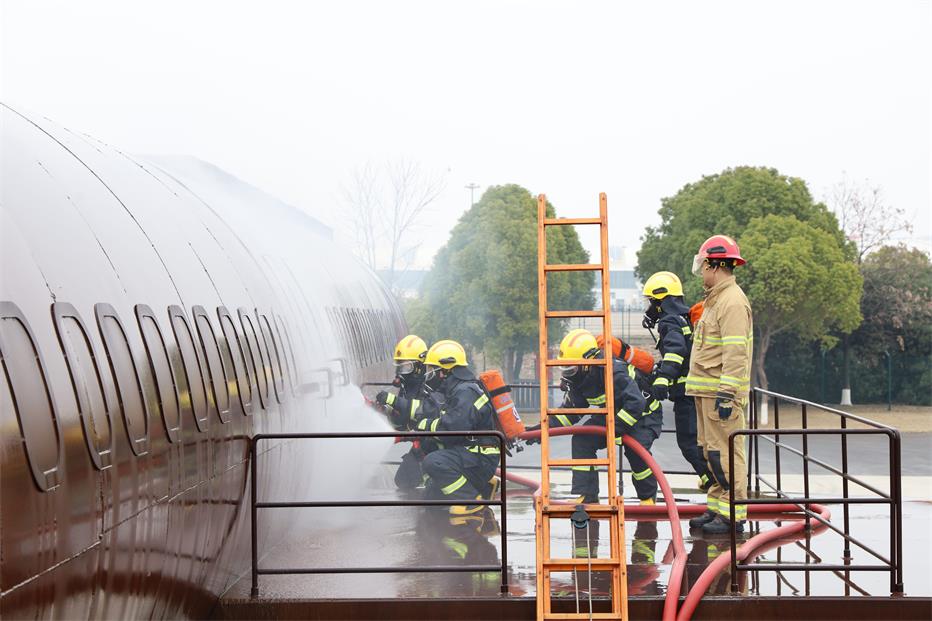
613,510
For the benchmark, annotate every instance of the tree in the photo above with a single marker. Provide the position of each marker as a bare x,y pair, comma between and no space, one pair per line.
869,222
385,208
731,203
865,217
482,288
897,307
797,280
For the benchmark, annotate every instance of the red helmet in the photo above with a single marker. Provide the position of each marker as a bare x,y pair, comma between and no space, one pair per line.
717,247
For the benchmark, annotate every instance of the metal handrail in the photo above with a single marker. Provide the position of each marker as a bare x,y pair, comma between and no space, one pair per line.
255,506
893,564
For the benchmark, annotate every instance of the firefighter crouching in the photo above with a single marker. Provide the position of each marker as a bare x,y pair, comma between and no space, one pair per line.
585,386
464,468
719,379
402,407
667,311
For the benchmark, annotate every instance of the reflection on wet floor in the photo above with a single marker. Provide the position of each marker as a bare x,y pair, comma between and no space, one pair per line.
408,536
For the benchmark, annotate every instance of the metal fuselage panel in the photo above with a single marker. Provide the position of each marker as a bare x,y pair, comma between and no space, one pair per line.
122,486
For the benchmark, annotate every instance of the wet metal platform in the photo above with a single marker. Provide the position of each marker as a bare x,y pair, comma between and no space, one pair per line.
405,536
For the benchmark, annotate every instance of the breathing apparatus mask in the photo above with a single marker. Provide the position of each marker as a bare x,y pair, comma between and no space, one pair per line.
433,377
405,371
652,314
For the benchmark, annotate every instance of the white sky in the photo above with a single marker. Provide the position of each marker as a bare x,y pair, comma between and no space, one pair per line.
565,98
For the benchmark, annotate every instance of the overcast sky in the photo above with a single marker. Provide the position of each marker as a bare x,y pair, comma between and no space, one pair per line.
568,98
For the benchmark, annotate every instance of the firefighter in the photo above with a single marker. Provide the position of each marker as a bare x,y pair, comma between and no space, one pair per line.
402,407
584,387
719,379
465,467
667,311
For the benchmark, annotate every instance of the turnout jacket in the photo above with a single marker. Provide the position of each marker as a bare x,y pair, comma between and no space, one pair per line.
466,407
674,345
720,361
630,404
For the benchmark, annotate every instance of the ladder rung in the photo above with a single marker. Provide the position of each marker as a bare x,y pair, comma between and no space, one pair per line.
573,267
592,510
569,564
559,221
578,462
582,615
555,411
577,313
583,362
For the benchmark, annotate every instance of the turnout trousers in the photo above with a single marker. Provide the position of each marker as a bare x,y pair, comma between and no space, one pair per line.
456,473
586,478
687,435
713,436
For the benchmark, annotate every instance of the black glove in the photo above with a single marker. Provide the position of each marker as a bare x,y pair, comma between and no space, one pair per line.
660,391
382,397
724,408
533,440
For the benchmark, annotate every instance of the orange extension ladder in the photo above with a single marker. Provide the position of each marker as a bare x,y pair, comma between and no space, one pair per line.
613,511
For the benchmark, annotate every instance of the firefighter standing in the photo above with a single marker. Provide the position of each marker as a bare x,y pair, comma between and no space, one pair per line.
670,315
402,407
585,386
719,379
464,469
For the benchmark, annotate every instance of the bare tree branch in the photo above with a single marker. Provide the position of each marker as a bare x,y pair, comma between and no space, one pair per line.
362,198
412,193
865,217
384,215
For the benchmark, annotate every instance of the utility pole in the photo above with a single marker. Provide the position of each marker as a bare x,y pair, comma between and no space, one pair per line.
472,187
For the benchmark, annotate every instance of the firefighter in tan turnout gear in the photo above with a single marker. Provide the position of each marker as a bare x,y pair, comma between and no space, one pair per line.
719,378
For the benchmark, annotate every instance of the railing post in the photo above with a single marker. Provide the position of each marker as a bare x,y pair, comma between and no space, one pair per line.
896,517
254,592
731,509
504,525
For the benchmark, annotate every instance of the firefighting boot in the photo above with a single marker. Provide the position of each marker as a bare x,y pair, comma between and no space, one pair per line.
647,502
701,520
585,499
721,525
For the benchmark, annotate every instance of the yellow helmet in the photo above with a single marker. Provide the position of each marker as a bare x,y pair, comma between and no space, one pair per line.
578,344
446,355
662,284
411,347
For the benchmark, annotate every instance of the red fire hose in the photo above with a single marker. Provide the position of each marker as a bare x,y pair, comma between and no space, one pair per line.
672,510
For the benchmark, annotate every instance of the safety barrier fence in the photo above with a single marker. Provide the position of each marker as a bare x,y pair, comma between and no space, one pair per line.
891,563
255,505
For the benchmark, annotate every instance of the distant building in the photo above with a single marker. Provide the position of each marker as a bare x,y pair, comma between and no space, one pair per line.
625,288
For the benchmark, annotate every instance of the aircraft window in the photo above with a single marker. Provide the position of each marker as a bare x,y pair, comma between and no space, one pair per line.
218,384
189,375
370,341
272,347
287,353
231,349
161,369
87,383
31,396
258,360
126,374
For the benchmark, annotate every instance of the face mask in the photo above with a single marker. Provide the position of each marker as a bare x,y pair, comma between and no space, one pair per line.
574,373
433,377
651,315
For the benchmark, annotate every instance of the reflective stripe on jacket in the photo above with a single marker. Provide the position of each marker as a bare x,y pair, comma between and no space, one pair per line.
723,341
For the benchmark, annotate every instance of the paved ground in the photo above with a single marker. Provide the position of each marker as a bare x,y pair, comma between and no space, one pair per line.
411,537
868,455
